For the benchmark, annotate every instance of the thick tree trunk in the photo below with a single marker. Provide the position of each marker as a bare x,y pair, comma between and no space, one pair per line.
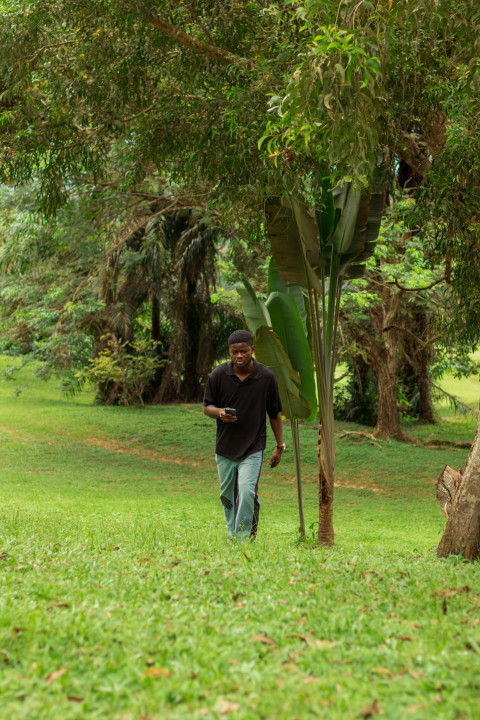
462,506
388,423
417,356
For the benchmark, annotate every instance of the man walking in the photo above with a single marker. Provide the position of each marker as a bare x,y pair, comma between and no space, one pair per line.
239,394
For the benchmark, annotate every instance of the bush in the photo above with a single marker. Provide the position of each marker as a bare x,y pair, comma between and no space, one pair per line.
122,371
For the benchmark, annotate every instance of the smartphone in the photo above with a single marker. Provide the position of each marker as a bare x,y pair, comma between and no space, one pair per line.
272,463
230,411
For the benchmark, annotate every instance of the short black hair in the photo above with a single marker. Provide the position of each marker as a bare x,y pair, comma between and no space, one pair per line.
240,336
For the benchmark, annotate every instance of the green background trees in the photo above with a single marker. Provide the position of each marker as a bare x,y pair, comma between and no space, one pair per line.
240,102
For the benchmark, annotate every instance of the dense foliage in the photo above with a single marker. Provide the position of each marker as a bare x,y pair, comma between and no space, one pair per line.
117,290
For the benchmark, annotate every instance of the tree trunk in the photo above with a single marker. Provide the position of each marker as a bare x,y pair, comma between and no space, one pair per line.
326,533
156,332
425,404
388,423
462,532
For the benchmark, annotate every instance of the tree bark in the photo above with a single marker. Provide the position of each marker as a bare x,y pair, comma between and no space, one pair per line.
417,356
326,533
462,532
388,423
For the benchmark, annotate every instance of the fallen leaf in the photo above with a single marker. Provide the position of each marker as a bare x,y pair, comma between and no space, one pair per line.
310,680
324,643
144,560
150,661
280,681
72,698
246,556
451,592
404,638
307,639
54,675
383,671
368,712
263,639
240,604
226,706
59,605
415,708
156,672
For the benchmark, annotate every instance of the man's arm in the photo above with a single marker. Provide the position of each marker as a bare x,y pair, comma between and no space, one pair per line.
218,414
277,427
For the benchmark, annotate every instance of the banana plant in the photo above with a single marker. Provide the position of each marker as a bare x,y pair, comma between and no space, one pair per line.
281,344
318,249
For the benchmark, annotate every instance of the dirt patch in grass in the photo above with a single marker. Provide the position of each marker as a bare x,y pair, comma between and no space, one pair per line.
137,451
359,482
15,434
358,485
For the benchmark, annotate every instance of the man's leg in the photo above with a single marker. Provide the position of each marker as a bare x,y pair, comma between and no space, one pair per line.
246,519
227,474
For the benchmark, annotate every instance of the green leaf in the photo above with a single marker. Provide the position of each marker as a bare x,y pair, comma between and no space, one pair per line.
256,314
344,232
287,323
276,284
270,351
325,216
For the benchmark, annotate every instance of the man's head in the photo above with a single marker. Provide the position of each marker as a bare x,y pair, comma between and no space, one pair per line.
240,346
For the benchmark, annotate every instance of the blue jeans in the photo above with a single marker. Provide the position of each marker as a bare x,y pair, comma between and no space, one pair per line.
239,493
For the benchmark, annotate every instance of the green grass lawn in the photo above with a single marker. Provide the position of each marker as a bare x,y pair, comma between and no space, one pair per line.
120,597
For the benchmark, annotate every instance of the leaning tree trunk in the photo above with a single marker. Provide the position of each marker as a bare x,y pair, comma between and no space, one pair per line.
459,495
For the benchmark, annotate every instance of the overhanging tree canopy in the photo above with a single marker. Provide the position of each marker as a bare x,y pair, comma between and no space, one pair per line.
246,100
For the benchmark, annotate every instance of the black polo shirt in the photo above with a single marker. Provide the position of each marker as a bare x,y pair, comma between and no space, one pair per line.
252,398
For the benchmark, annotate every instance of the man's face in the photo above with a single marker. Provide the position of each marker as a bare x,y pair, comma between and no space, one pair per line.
241,354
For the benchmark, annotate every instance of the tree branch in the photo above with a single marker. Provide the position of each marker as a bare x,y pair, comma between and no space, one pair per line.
419,289
195,17
191,42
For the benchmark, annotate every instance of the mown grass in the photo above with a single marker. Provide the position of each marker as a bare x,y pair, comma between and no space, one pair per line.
120,597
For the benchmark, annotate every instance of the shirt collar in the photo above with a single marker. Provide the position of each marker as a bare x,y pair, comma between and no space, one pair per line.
253,374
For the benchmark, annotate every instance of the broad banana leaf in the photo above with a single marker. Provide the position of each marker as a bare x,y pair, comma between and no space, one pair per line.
343,235
288,248
276,284
269,350
254,309
287,324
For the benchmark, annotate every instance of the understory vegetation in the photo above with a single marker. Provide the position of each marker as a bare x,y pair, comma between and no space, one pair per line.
120,597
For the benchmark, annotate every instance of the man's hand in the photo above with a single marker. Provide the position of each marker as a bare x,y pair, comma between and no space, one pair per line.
225,417
277,456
